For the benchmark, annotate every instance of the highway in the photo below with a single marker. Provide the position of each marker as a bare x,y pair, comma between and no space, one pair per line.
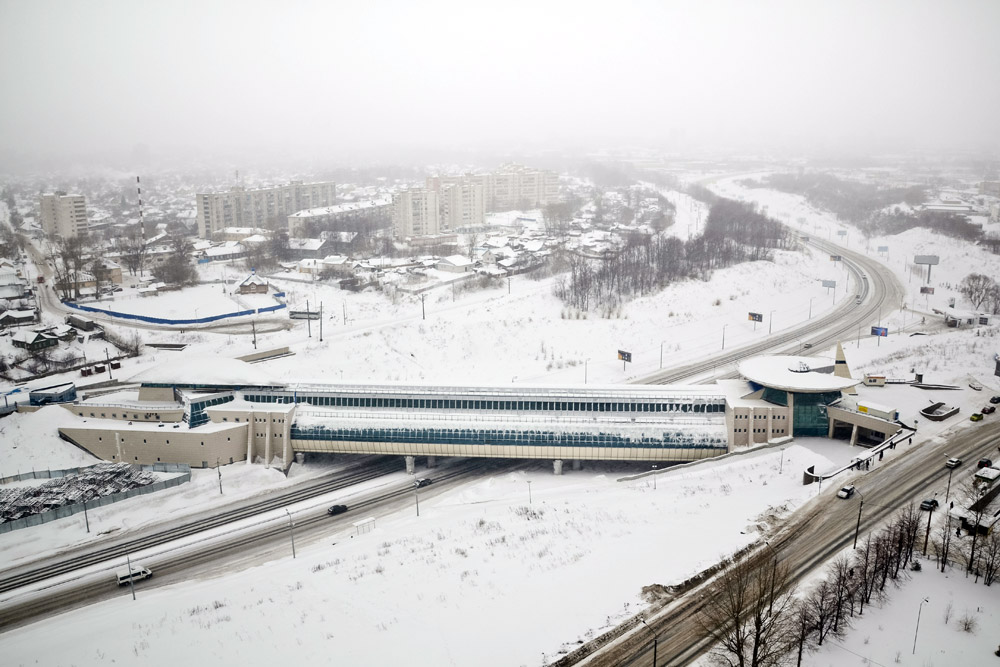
814,535
881,294
175,561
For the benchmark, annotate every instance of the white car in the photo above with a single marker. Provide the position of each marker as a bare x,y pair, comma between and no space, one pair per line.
846,492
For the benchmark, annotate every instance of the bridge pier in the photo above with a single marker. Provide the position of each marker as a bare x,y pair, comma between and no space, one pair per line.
432,462
854,435
577,464
410,464
557,467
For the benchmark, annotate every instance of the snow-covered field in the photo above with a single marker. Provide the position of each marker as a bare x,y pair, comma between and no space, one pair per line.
483,562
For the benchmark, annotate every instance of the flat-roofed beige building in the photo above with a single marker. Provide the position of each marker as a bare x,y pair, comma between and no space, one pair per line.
63,215
240,207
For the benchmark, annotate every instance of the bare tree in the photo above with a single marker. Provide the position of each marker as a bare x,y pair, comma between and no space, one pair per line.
976,288
749,614
132,249
989,558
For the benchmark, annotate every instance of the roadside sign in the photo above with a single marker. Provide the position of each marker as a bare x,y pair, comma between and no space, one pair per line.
830,283
930,260
927,290
835,258
883,248
624,356
880,331
805,239
756,317
841,232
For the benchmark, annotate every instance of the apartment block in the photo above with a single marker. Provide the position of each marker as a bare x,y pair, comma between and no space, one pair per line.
240,207
63,215
461,200
415,212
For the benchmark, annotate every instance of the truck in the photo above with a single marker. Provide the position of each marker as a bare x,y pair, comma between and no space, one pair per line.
876,410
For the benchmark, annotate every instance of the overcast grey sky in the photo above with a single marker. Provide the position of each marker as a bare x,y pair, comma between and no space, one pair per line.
370,78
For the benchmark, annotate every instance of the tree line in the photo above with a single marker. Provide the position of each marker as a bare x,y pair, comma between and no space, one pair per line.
734,232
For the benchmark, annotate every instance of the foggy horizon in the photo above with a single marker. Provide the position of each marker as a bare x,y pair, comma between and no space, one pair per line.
396,81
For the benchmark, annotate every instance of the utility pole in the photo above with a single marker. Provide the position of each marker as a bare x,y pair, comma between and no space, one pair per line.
108,359
218,469
131,579
308,320
253,325
423,310
321,321
291,529
85,517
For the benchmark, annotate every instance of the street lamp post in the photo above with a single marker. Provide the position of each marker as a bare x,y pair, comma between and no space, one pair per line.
654,477
585,362
927,535
661,356
529,491
291,530
656,639
811,307
774,573
857,527
919,609
416,495
947,494
770,322
724,336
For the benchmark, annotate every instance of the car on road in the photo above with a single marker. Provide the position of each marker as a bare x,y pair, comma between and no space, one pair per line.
975,385
806,346
423,481
337,509
858,301
995,399
846,492
929,504
988,409
953,462
976,417
984,463
138,574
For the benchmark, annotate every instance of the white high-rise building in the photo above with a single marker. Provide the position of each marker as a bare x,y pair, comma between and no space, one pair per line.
415,212
254,208
63,215
461,200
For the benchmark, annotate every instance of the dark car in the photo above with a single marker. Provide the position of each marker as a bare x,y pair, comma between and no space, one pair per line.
929,504
995,400
988,409
984,463
337,509
424,481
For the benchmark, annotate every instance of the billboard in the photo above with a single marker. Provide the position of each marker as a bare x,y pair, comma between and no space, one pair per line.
624,356
880,331
805,239
883,248
927,290
841,232
835,258
926,259
756,317
829,283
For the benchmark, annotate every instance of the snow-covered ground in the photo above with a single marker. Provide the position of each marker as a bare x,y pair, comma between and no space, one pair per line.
483,562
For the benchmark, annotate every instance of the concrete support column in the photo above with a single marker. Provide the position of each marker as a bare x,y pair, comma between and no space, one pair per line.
268,454
432,462
854,435
577,464
557,467
770,424
286,448
829,427
300,457
410,464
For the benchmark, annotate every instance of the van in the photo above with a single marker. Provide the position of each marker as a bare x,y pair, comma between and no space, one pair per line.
138,574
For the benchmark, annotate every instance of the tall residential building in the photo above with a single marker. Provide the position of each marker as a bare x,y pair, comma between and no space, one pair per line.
63,215
240,207
510,186
415,213
461,200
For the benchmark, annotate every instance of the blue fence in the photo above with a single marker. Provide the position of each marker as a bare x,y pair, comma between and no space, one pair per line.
163,320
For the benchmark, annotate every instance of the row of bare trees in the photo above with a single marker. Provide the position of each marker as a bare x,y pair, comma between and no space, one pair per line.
755,617
734,232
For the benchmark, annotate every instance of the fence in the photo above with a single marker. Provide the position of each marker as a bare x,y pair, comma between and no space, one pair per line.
163,320
70,510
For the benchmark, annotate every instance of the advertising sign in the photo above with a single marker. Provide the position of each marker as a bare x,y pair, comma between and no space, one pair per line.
835,258
926,259
624,356
927,290
883,248
756,317
829,283
880,331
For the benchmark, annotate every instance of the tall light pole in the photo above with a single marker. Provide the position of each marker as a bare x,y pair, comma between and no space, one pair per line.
947,494
774,573
770,321
919,609
724,336
529,491
416,495
927,535
661,356
585,362
291,529
654,477
656,639
857,527
811,307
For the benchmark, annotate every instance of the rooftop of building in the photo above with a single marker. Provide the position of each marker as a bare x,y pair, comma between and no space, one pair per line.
795,374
